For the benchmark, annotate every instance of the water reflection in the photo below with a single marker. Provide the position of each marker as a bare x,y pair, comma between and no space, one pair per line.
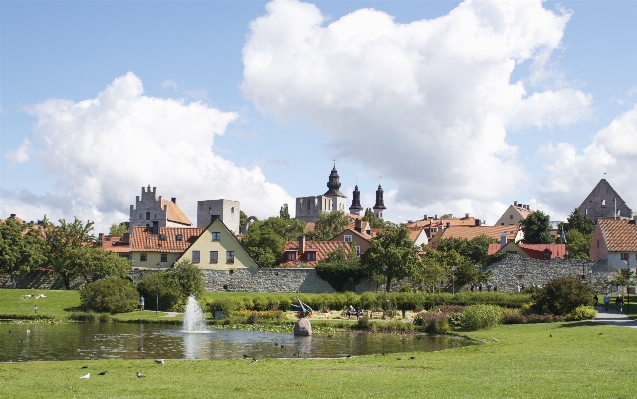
147,341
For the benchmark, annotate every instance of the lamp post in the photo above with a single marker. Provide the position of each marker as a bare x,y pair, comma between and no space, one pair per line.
158,271
627,283
453,280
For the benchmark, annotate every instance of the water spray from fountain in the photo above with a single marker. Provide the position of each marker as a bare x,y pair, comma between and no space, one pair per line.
194,318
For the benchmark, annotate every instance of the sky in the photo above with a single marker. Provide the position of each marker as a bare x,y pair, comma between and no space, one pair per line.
453,107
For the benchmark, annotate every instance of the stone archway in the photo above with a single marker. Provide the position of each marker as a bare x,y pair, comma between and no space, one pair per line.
244,228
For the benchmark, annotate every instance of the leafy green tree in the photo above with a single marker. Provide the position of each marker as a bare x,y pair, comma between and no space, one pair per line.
284,213
392,254
266,239
114,295
337,268
537,228
562,295
242,218
441,264
328,225
118,230
578,244
98,264
576,221
475,250
175,285
621,277
371,219
21,247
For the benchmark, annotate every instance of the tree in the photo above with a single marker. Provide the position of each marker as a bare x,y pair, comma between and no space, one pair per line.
283,213
266,239
537,228
621,277
99,264
242,218
475,250
338,268
328,225
370,218
21,247
392,254
576,221
118,230
562,295
578,244
438,266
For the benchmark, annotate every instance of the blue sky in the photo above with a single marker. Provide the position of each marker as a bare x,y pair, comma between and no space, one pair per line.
453,107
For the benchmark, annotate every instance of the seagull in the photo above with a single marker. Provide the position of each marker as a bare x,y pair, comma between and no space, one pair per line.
282,346
495,340
103,372
413,357
159,361
398,358
254,359
85,367
28,331
348,356
551,335
85,377
245,356
140,375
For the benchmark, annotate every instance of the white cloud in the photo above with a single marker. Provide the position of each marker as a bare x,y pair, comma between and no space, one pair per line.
426,104
20,154
103,150
169,83
574,173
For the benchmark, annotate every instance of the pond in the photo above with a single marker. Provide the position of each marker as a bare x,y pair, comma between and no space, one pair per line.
74,341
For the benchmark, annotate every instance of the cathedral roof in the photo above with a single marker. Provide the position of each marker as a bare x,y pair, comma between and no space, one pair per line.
334,184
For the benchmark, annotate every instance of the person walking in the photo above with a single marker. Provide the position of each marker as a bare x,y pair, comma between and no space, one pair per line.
35,309
619,301
141,303
606,301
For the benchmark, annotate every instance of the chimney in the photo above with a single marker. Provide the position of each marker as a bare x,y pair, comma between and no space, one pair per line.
425,218
358,225
466,215
477,222
515,203
174,200
436,217
12,216
100,239
503,239
126,238
451,216
448,224
301,245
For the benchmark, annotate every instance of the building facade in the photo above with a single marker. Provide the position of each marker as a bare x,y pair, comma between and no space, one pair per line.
604,203
155,212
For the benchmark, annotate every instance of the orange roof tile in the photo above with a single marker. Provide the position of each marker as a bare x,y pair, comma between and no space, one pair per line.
142,241
174,213
414,232
321,248
535,251
115,244
471,232
470,221
619,235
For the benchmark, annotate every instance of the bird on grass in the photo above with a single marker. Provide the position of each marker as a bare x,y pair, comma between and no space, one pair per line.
140,375
495,340
159,361
103,372
254,359
398,358
384,354
85,377
348,356
600,333
85,366
413,358
551,335
245,356
282,346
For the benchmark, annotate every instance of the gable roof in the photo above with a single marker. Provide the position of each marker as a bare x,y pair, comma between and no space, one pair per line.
466,221
471,232
321,248
174,213
619,235
592,207
115,244
143,241
535,251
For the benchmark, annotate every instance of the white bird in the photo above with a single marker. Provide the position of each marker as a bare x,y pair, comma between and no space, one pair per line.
159,361
140,375
85,377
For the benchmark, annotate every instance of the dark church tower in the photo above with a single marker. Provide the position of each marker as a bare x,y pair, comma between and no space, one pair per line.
334,184
379,208
356,208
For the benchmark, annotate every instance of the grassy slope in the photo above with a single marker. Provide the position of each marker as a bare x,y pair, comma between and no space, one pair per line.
576,362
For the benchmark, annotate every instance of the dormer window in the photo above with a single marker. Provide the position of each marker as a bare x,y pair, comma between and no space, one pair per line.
179,237
162,237
291,256
310,256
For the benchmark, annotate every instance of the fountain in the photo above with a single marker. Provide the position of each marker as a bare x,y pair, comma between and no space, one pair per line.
194,319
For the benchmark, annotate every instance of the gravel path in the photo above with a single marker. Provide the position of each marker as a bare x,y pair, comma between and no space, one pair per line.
611,317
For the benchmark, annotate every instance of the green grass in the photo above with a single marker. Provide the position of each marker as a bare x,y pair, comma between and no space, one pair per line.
576,362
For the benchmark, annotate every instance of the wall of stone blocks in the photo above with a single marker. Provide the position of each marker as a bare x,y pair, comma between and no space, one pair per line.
227,210
513,270
46,280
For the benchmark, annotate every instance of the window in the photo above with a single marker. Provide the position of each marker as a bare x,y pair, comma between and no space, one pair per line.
143,257
510,216
147,215
502,224
603,202
140,215
586,211
291,255
624,256
179,237
547,255
310,256
162,237
164,258
155,216
229,256
216,236
214,256
358,250
195,257
348,238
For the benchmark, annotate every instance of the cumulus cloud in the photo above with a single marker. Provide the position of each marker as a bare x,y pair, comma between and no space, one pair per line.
169,83
427,104
20,154
101,151
572,173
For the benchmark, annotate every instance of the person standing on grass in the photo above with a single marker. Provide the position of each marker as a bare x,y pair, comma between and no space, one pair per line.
606,301
595,299
35,309
141,303
619,301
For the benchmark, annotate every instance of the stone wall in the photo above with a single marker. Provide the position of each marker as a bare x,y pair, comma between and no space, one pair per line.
513,270
47,280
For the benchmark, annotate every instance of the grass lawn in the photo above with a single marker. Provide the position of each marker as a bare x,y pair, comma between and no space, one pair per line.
580,360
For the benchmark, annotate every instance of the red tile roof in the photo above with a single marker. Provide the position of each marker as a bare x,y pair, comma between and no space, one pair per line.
535,251
142,241
115,244
471,232
619,235
321,248
174,213
470,221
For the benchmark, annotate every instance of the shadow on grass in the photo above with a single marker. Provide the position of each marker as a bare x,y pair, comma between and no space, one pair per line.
74,309
583,323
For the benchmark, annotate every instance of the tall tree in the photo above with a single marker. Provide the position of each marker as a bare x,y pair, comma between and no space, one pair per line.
338,268
537,228
370,218
98,264
328,225
576,221
266,239
284,213
451,269
68,244
242,218
21,247
579,235
475,250
118,230
392,254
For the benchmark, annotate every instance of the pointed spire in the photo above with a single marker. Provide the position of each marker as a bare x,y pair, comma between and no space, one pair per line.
379,208
334,184
356,208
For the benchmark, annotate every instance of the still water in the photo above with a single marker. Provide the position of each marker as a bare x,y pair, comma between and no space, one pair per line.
74,341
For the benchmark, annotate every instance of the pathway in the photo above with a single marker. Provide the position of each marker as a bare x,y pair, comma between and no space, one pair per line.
611,317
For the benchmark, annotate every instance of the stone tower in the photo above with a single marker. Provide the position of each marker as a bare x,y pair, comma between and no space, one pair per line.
379,208
356,208
227,211
153,212
604,203
309,208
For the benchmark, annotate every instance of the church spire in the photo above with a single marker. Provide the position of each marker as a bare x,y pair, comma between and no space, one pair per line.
379,208
334,184
356,208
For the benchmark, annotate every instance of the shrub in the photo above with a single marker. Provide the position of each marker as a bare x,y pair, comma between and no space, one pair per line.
432,322
113,295
477,317
582,313
253,317
562,295
175,286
